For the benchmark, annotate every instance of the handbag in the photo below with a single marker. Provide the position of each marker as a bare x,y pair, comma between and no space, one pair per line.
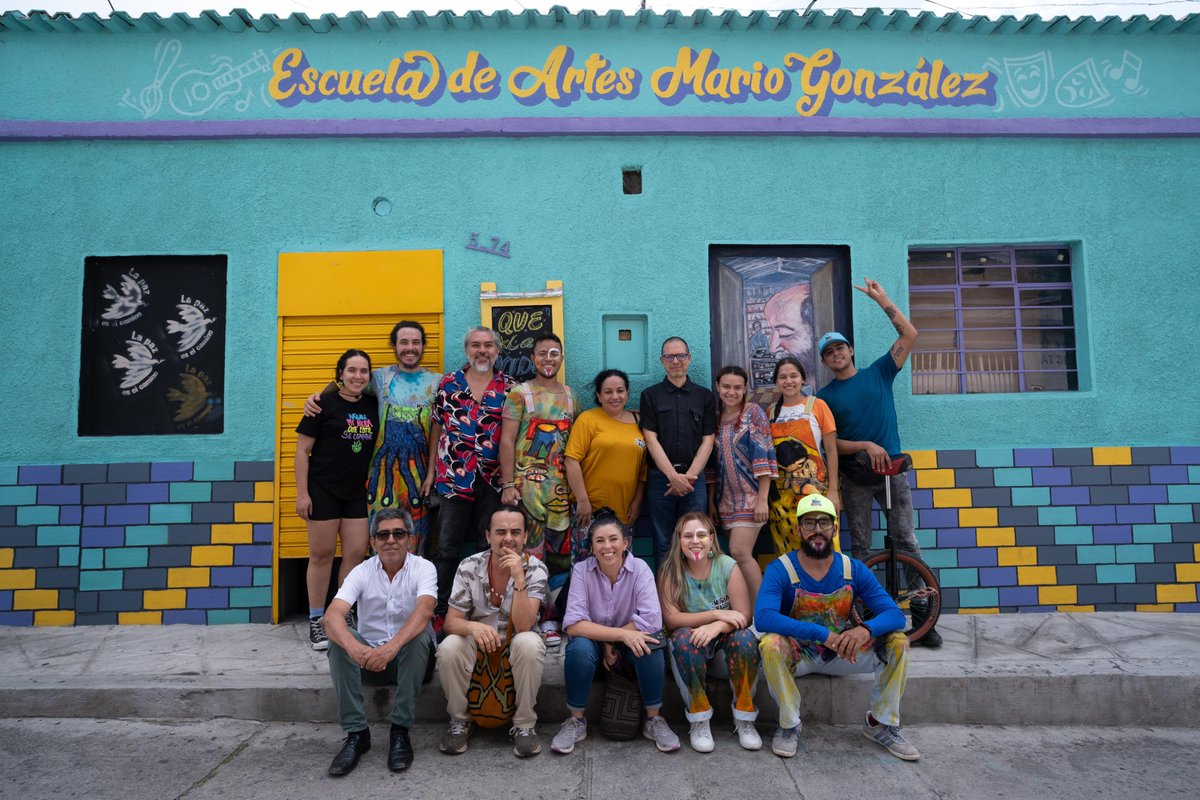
621,712
492,692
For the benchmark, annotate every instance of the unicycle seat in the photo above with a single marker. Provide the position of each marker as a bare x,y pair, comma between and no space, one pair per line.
898,464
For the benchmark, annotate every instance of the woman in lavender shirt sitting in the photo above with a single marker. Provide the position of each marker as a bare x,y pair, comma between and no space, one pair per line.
613,613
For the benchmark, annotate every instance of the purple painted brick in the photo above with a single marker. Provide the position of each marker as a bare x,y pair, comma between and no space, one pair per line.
70,515
93,515
1130,515
255,555
998,576
208,598
977,557
1033,457
102,537
47,474
58,495
1179,455
1070,496
6,600
922,498
171,471
128,515
1175,474
178,616
16,618
1036,609
1018,595
264,532
1096,515
956,537
1112,534
231,576
939,518
1147,494
1051,476
147,492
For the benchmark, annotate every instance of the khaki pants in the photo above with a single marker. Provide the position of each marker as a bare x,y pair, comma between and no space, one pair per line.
456,660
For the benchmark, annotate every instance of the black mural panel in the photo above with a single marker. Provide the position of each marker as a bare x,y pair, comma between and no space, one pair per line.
518,327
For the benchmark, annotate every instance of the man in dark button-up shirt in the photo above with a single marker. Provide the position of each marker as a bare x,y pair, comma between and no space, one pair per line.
679,419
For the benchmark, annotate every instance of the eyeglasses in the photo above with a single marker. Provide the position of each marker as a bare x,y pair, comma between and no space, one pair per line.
811,524
678,358
383,536
548,354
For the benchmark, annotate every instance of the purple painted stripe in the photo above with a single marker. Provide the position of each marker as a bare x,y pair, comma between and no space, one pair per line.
1136,127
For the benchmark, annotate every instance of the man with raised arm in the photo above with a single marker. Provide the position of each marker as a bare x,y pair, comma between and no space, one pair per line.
864,407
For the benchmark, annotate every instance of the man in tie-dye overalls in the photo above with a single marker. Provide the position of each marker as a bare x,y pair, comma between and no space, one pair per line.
805,611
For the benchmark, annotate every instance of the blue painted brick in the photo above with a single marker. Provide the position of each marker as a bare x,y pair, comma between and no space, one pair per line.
1033,457
1094,595
1155,573
58,495
938,518
146,493
1151,533
1183,494
97,618
93,515
1016,517
8,516
255,471
1096,554
40,474
57,535
142,579
1091,476
1032,496
16,618
128,515
99,580
1072,456
1175,474
34,557
160,514
1185,532
1016,476
1072,534
994,457
998,576
959,577
184,616
1150,455
68,515
1161,514
1129,515
1052,476
1056,515
91,558
164,556
58,578
37,515
212,512
125,600
978,598
212,471
231,576
973,478
252,555
263,532
228,616
1070,496
1125,474
922,498
956,537
171,471
1018,596
1034,536
977,557
1096,515
103,537
129,473
263,575
1112,534
13,536
103,494
1174,552
991,497
262,616
1185,455
1115,573
208,598
955,458
189,534
85,473
6,600
232,492
1073,574
1135,553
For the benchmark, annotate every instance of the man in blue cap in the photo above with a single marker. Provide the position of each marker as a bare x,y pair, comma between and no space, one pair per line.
864,406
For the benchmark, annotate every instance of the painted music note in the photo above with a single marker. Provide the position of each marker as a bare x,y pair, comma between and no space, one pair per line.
1131,64
197,92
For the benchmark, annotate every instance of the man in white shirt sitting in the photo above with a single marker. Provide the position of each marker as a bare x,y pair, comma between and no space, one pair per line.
396,592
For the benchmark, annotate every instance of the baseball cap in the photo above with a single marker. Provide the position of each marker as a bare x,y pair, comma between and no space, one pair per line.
832,337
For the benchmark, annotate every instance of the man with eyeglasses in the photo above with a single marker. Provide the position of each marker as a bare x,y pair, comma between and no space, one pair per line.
679,420
806,613
537,420
395,591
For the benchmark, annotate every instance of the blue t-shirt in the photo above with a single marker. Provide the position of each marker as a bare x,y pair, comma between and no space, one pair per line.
864,407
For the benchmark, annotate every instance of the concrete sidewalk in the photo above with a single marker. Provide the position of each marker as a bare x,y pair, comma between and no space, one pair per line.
1019,669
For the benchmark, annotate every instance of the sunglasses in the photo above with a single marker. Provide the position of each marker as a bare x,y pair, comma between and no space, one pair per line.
383,536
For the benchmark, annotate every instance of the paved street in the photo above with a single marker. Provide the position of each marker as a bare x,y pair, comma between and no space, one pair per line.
231,759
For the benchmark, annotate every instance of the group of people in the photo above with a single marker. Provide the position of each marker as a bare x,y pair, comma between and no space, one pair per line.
550,495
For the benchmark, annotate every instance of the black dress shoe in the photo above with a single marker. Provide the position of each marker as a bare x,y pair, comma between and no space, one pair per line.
932,639
400,754
357,743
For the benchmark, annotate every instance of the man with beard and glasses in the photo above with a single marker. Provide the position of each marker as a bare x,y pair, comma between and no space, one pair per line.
465,446
806,613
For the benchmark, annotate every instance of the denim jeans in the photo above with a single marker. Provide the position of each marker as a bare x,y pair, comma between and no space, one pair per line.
666,511
585,655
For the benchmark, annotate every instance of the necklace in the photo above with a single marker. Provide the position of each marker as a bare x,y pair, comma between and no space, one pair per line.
496,598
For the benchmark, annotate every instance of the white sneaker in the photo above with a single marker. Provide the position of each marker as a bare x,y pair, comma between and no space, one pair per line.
701,738
747,735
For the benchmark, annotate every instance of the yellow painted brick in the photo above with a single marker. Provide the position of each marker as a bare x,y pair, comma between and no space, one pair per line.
264,491
1076,608
181,577
253,512
1176,593
139,618
44,618
978,611
217,555
977,518
29,599
1196,552
951,498
6,557
1036,576
1161,608
165,598
1016,556
233,534
936,479
17,578
995,537
1187,573
1057,595
1111,456
924,459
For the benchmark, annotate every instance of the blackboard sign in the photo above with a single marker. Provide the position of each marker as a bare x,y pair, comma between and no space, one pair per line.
518,328
153,349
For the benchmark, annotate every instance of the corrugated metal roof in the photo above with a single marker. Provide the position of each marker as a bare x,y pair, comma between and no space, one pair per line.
873,19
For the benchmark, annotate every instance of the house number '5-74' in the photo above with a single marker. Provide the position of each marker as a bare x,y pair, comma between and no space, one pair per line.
497,248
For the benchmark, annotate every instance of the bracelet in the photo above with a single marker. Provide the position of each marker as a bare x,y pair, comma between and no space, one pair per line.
519,589
509,485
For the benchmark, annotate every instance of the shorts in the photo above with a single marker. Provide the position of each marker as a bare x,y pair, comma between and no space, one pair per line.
326,505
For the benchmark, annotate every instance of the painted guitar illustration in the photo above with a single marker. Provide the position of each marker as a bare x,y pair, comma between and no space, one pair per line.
197,92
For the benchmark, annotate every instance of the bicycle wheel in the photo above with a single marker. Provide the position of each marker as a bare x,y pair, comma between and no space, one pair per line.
913,586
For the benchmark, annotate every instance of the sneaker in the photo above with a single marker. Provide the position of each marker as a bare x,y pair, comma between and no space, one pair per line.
890,737
700,737
932,640
551,633
316,635
525,742
747,735
785,741
439,622
573,730
658,731
454,740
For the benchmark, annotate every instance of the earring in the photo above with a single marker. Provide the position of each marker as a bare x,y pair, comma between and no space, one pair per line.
711,554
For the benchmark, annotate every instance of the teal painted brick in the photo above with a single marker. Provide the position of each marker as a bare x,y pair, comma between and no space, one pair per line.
1056,515
1073,534
68,556
1151,533
925,538
1161,514
963,576
1135,553
198,492
37,515
978,598
1116,573
228,616
8,475
165,513
250,597
262,576
940,558
145,534
877,540
994,457
92,559
1016,476
1183,494
212,471
126,557
1096,554
100,580
1031,496
1194,474
18,495
50,535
